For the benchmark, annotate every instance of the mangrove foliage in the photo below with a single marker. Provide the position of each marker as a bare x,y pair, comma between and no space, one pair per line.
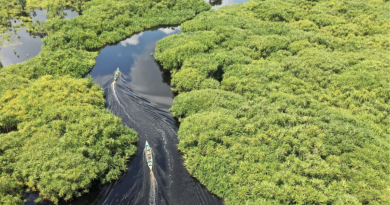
67,49
285,102
57,137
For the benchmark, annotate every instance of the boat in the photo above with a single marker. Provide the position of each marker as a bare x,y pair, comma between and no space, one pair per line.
149,157
116,74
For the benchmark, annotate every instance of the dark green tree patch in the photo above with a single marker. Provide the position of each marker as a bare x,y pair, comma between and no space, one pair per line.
301,112
64,140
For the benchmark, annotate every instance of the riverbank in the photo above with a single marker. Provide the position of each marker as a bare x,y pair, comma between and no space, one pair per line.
48,116
284,102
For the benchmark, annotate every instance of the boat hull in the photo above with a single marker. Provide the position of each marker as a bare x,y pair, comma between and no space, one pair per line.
116,74
149,156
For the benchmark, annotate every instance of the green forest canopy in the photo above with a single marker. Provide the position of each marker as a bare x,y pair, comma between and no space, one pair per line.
56,135
285,102
63,139
67,48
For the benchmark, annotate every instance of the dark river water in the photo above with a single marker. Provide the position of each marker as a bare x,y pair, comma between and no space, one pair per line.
141,97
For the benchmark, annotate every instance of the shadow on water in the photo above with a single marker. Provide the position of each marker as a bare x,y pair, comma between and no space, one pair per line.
27,45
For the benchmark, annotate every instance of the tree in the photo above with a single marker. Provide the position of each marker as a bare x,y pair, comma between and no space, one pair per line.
22,3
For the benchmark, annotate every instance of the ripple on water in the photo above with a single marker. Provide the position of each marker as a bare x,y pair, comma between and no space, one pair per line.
170,182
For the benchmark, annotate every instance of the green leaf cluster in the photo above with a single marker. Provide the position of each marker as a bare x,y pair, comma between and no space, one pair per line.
60,138
285,102
8,10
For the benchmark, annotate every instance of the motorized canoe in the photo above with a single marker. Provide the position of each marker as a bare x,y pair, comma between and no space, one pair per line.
116,74
149,157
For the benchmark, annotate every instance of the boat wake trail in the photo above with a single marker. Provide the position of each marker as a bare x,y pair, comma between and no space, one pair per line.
153,187
116,97
169,182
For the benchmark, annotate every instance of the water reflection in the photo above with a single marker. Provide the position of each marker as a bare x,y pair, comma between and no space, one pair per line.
215,4
131,41
141,72
27,45
170,30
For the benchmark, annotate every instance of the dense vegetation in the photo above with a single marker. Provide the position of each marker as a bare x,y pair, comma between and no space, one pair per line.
285,102
63,139
56,136
66,49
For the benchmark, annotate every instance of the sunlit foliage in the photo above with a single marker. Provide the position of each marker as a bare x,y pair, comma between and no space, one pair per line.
285,102
106,22
8,10
60,139
69,42
47,3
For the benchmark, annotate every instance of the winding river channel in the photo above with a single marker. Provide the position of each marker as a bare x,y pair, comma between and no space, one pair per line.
141,97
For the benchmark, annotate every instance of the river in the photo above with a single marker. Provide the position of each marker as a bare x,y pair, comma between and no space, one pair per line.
141,98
